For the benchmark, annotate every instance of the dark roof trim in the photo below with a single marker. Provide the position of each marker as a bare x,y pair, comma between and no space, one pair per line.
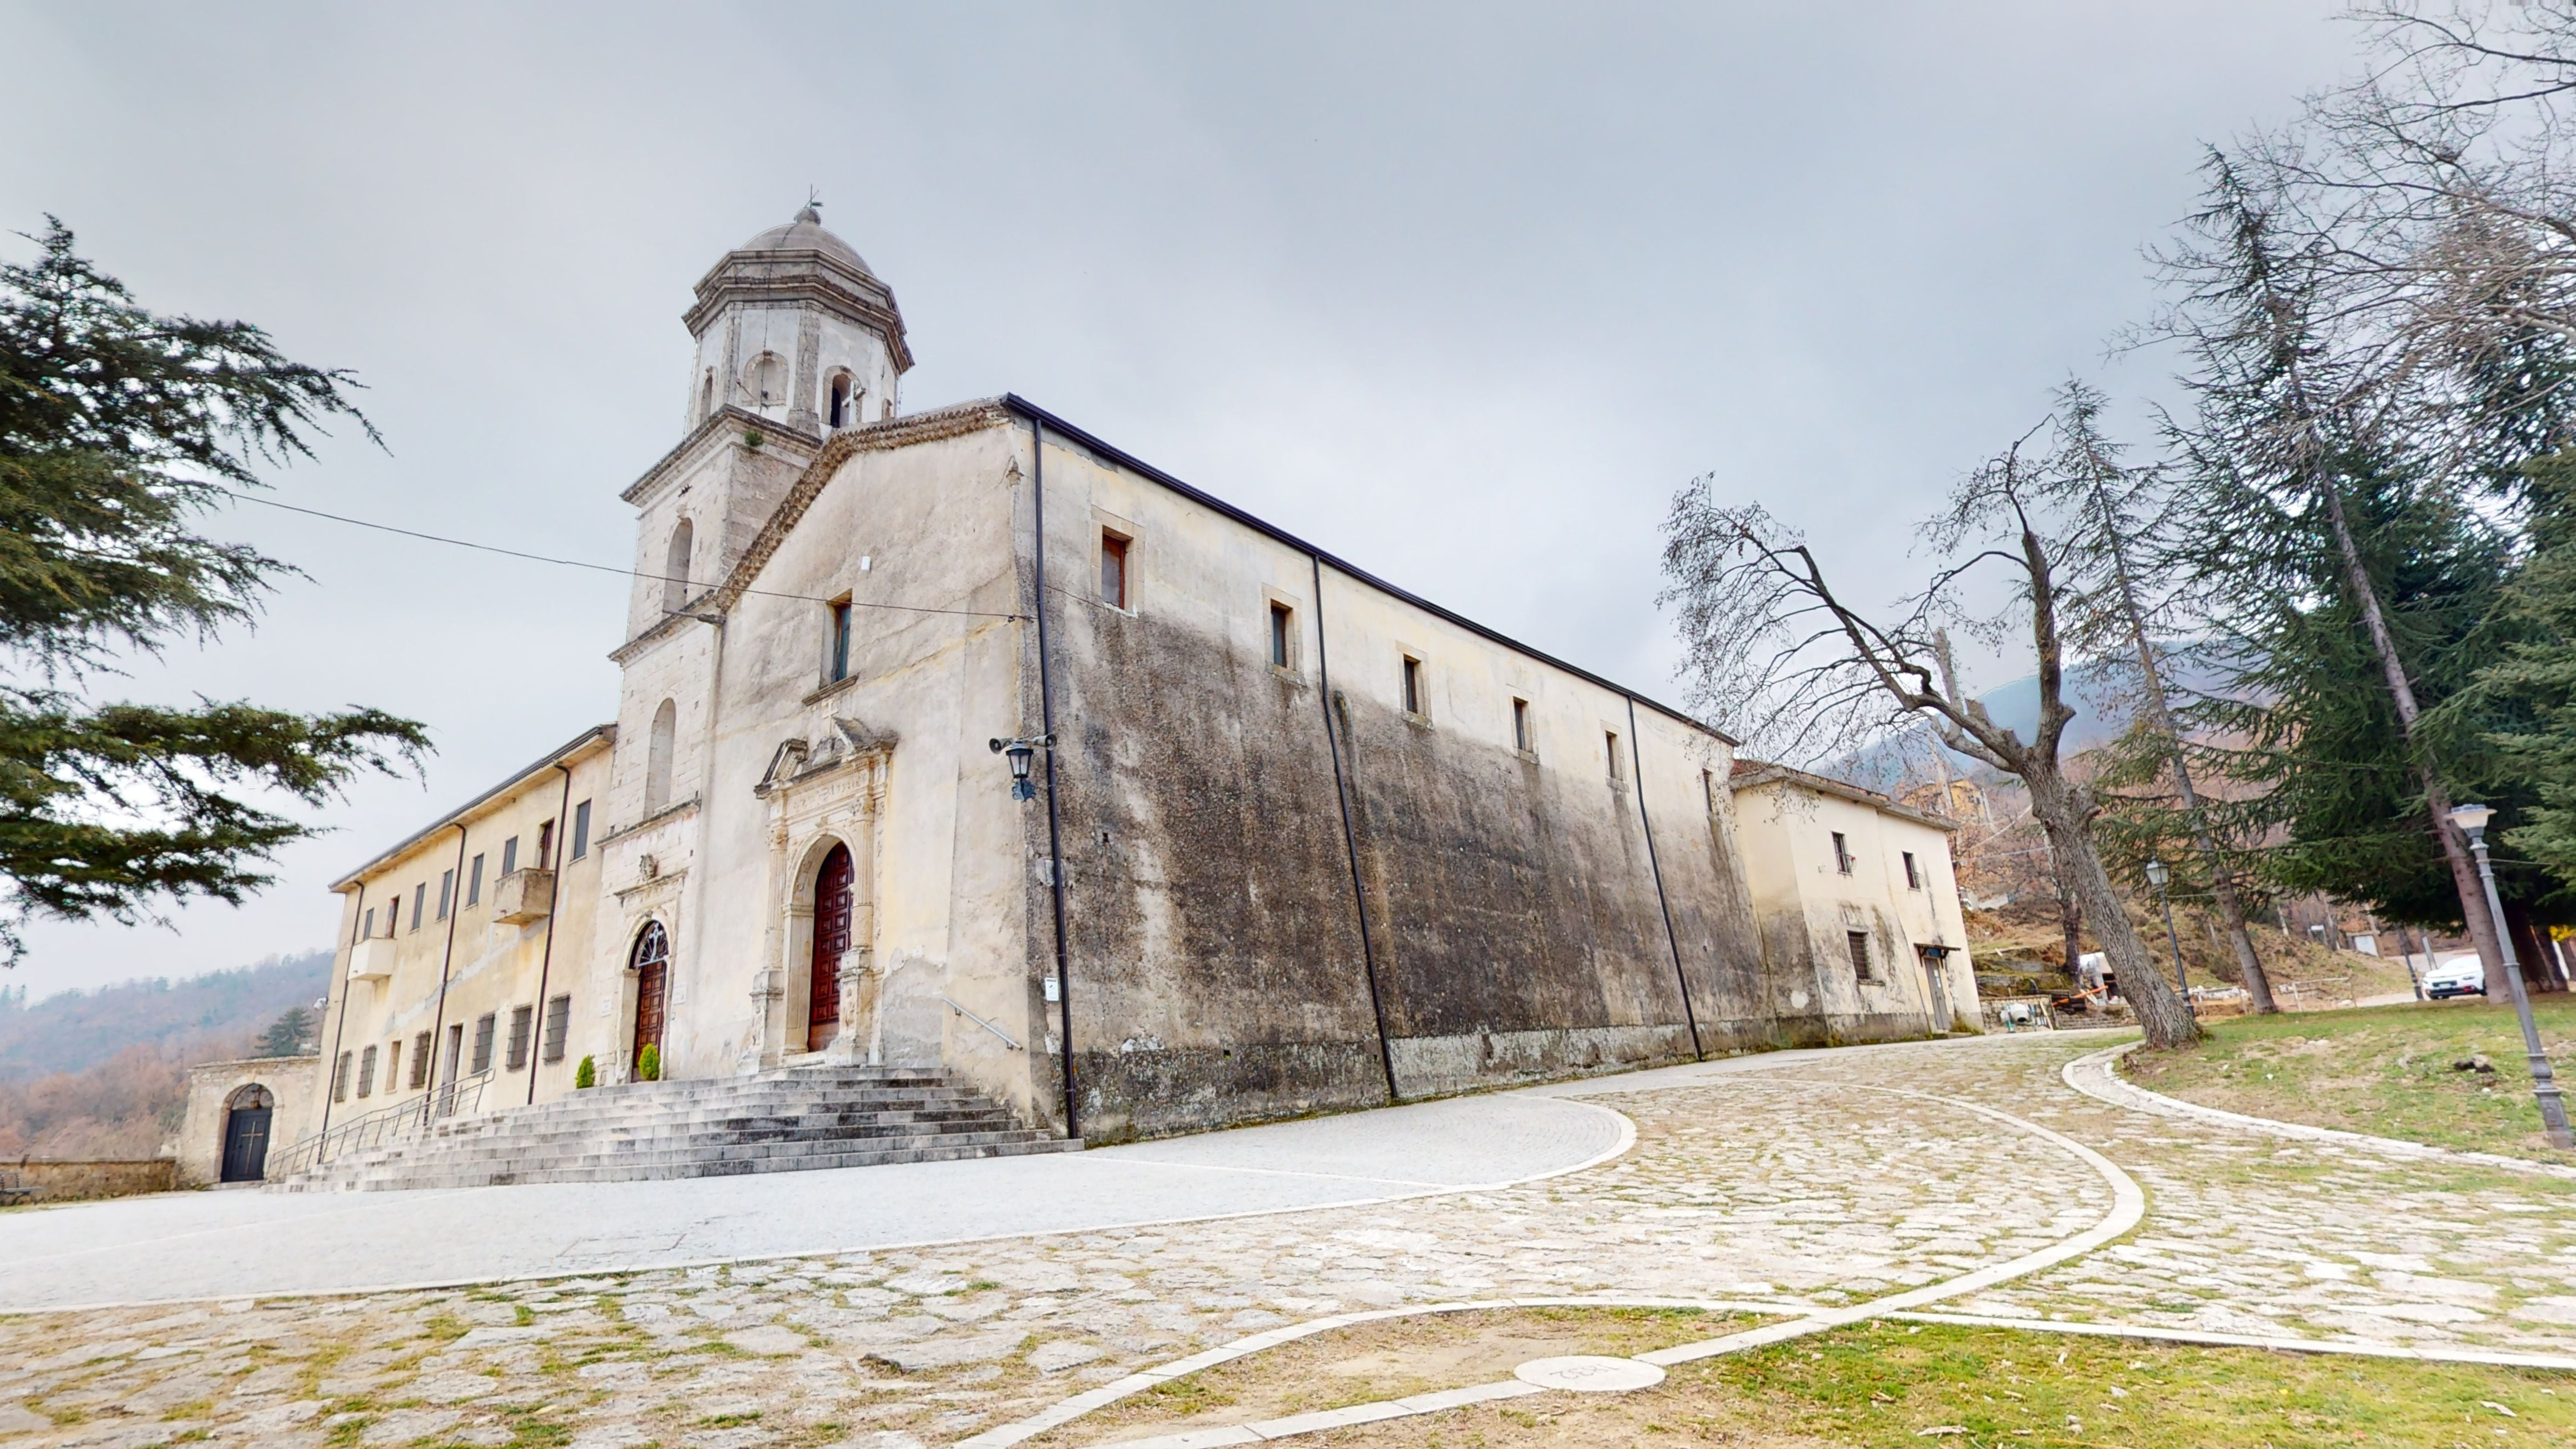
1124,459
570,748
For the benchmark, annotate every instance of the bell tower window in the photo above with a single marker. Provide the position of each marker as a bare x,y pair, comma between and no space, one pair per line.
707,396
675,568
846,396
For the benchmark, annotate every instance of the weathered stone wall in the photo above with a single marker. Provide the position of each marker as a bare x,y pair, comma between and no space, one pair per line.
76,1181
1217,968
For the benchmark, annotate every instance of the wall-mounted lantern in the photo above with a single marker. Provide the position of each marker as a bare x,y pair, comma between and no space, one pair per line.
1019,753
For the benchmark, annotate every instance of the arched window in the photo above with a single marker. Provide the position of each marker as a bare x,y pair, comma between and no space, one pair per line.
675,567
845,400
651,963
707,396
657,757
766,380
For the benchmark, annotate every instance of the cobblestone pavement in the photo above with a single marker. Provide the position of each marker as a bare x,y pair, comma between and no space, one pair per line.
1762,1179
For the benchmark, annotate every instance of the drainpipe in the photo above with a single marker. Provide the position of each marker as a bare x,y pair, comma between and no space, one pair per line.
1637,777
446,958
554,897
1350,837
340,1023
1055,824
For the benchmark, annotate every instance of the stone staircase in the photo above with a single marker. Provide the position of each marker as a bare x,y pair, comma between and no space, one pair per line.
800,1119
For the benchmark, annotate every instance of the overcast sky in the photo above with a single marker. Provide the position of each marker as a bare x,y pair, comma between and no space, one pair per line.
1462,293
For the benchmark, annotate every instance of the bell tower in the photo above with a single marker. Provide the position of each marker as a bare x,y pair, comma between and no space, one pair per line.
794,328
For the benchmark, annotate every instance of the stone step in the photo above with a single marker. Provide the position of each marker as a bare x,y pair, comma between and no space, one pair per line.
800,1119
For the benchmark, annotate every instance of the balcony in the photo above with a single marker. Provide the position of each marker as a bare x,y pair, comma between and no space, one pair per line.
372,959
523,896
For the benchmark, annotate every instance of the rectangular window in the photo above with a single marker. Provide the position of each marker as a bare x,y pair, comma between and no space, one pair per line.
1280,634
1708,789
393,1065
367,927
509,855
474,881
836,658
419,903
522,1021
1520,726
340,1078
1113,570
1913,875
367,1072
581,830
1412,685
1842,854
455,1048
545,844
1610,746
558,1026
419,1060
1859,943
484,1030
446,892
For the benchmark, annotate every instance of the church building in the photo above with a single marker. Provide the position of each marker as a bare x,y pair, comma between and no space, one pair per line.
959,738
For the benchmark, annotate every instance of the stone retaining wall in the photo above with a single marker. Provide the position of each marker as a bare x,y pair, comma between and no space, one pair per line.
57,1181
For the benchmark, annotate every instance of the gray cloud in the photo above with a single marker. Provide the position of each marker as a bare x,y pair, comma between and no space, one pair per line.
1462,292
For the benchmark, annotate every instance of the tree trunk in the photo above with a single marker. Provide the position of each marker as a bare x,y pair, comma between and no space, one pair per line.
2070,914
2161,1010
2464,872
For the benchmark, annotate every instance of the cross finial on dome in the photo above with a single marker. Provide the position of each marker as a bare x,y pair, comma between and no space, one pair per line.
812,209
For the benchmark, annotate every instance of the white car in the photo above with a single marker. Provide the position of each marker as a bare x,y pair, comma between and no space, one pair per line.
2461,976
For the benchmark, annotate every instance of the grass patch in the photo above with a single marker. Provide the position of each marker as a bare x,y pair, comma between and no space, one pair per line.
1885,1385
2385,1070
445,1327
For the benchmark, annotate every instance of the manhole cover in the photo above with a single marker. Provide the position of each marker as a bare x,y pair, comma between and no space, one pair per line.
1589,1375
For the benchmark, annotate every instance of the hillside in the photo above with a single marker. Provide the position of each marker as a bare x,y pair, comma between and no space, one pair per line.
72,1030
105,1073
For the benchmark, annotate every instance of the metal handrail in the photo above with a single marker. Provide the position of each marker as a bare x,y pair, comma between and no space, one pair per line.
988,1026
397,1123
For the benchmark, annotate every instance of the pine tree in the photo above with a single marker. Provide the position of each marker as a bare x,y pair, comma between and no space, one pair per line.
291,1035
118,428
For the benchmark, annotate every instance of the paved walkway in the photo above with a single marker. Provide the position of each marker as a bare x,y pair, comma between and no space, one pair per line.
1793,1181
227,1244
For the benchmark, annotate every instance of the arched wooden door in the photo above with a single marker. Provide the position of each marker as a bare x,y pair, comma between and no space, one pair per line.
246,1134
652,966
832,892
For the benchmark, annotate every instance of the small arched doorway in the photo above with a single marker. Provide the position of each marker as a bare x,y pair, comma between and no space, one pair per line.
246,1118
651,964
832,902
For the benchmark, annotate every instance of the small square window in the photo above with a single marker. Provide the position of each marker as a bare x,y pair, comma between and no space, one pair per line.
1521,726
1282,631
1859,943
1412,685
1913,873
558,1024
522,1022
1842,854
367,1072
836,660
1113,570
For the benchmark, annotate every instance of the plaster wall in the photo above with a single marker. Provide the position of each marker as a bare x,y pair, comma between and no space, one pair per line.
493,967
1808,906
291,1083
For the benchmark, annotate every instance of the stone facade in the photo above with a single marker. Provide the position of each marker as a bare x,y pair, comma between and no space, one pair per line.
1859,907
214,1088
1303,841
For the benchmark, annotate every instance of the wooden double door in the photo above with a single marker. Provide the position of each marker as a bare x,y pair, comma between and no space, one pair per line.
835,899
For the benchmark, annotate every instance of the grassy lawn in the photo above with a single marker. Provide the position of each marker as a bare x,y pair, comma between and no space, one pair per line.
2385,1070
1883,1385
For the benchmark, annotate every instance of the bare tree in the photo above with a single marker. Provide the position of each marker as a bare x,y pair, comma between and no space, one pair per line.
2122,614
1782,659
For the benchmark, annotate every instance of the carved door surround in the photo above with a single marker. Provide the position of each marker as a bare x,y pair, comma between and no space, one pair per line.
826,802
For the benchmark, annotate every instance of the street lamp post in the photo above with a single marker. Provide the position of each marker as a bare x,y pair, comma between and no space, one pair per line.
2472,821
2158,872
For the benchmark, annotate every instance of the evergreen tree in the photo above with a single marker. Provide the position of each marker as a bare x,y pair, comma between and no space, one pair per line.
291,1035
118,428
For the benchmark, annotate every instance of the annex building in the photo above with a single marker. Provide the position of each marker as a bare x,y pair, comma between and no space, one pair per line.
1292,839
